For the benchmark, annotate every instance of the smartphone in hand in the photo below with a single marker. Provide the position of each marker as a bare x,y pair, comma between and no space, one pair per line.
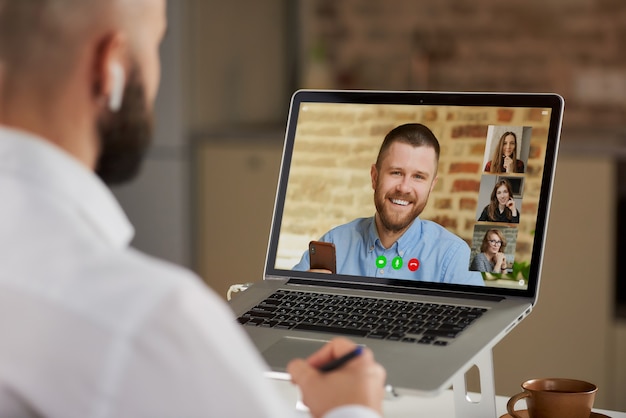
322,256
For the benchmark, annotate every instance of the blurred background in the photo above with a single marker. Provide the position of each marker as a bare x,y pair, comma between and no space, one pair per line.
205,196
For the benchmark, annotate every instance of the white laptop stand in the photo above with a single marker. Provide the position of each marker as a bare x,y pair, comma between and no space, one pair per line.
464,405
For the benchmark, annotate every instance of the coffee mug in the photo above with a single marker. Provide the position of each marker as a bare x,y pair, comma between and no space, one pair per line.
555,398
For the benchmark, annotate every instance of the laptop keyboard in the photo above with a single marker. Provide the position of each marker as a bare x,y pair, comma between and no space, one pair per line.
397,320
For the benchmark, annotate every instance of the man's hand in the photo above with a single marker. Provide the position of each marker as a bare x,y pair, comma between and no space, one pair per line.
359,382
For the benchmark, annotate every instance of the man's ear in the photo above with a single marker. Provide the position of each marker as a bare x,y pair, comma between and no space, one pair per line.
432,186
109,70
374,176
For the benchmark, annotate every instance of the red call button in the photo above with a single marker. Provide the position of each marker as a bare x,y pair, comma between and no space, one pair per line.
414,264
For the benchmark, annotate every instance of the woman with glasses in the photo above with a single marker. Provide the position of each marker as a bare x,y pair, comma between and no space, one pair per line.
491,258
501,207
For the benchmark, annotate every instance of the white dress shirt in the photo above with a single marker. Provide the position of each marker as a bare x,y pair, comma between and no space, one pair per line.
90,327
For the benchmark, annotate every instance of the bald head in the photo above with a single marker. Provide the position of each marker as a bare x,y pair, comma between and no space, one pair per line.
41,39
64,62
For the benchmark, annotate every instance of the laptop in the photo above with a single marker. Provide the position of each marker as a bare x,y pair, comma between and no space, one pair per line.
395,299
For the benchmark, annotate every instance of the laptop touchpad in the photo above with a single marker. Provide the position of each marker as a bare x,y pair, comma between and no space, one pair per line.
288,348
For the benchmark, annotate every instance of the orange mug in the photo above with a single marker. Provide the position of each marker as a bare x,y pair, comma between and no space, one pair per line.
555,398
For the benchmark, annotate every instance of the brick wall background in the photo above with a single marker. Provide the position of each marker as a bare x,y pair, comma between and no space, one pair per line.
336,145
572,47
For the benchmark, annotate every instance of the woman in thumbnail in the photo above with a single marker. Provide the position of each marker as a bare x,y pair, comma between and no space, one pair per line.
504,159
501,207
491,258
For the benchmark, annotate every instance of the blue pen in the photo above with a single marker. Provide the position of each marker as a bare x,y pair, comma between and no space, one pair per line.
340,361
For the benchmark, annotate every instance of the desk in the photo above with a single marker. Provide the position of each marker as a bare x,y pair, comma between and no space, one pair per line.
411,406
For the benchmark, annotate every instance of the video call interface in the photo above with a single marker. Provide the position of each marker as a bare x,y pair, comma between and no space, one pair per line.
487,191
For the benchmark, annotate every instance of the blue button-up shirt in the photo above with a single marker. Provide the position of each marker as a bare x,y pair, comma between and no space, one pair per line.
425,252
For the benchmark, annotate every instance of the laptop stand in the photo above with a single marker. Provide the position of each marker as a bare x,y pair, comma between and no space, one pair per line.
464,405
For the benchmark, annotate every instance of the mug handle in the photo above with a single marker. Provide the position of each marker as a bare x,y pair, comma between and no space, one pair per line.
510,405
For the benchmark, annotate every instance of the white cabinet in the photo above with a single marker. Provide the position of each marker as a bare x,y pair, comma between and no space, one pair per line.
234,192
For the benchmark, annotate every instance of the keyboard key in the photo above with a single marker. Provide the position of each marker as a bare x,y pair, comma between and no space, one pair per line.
379,335
260,314
440,333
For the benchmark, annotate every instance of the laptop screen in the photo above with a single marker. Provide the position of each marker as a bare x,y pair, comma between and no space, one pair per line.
457,198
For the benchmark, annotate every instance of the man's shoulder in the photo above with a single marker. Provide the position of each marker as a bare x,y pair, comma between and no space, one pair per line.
164,269
112,291
131,268
126,287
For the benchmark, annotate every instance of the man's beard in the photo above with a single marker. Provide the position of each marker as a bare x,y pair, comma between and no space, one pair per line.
392,221
124,135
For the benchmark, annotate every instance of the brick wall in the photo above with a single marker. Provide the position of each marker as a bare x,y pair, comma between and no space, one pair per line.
572,47
336,145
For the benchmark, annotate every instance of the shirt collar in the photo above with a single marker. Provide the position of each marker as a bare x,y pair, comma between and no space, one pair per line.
39,162
409,239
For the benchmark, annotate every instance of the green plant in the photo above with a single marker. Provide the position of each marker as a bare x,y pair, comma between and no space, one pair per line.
519,267
523,268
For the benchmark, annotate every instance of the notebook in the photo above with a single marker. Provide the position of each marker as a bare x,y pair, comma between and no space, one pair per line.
436,258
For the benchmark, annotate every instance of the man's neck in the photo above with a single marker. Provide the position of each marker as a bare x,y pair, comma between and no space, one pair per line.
386,236
70,131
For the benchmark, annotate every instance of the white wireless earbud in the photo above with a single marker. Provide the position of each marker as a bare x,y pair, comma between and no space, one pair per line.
118,80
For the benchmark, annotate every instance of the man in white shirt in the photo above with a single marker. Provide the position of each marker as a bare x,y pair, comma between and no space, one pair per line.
90,327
